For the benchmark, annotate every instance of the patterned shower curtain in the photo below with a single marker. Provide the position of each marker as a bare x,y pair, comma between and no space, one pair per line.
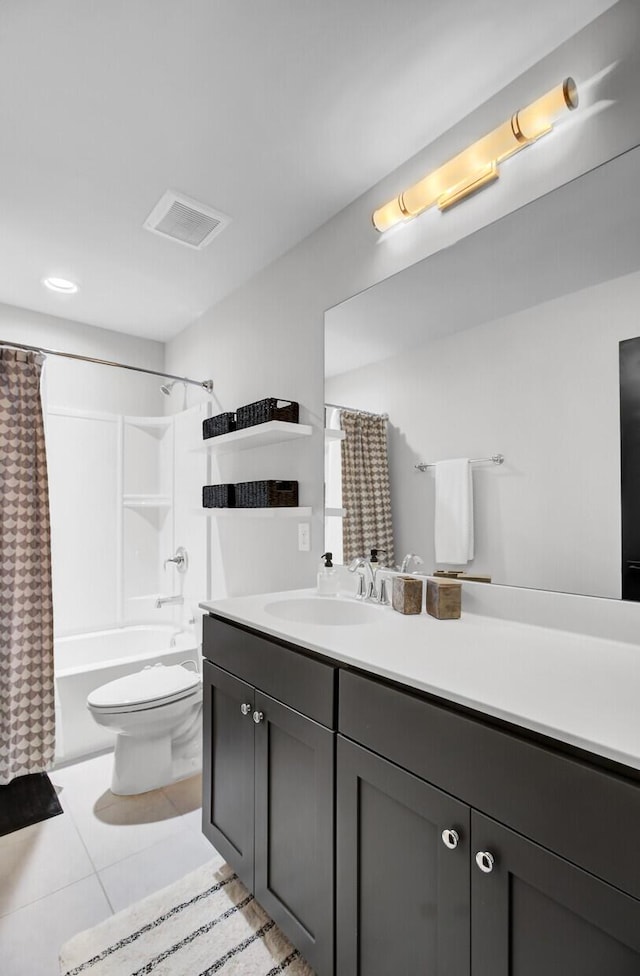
27,716
366,495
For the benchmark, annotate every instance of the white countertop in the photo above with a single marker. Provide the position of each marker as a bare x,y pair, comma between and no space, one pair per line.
582,690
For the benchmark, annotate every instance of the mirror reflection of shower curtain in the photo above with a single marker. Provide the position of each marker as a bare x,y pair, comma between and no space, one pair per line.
27,709
333,484
366,494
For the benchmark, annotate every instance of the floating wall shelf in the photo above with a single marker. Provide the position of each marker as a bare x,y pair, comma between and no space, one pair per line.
331,434
146,501
335,512
286,512
273,432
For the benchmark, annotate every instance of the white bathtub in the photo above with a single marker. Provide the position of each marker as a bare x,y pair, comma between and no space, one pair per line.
86,661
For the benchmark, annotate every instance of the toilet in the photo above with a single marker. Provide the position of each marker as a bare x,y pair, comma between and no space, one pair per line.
156,715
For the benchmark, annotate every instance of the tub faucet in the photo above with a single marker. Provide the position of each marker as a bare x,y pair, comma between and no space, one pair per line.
166,601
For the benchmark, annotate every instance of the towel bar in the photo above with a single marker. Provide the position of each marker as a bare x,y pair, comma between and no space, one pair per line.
496,458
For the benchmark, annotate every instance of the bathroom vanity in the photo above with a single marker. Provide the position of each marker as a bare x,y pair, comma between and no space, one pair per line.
406,795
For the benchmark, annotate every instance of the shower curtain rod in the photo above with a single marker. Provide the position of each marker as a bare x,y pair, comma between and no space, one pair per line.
205,384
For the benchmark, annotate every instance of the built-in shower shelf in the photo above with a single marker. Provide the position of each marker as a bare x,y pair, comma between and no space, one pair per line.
273,432
331,434
146,501
238,513
335,512
149,422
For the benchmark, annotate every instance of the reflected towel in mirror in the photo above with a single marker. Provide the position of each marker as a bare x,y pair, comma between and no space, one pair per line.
454,511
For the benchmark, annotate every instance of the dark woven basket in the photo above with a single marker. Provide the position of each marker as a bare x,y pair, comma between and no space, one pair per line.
224,423
218,496
266,494
262,411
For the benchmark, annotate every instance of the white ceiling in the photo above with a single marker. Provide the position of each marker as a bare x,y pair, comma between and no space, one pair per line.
578,235
278,113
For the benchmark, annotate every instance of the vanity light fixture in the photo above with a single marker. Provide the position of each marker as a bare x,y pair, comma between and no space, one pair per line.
62,285
477,165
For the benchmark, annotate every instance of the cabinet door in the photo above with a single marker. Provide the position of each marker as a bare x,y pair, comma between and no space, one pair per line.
294,876
228,781
402,894
535,913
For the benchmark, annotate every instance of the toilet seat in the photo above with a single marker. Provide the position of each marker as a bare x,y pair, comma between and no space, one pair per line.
152,687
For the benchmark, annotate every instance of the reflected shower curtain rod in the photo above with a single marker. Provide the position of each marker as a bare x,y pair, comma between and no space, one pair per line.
367,413
7,344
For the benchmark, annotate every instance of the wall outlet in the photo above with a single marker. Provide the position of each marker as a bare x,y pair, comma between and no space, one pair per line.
304,537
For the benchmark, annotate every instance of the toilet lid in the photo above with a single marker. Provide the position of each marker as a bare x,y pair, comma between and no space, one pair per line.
154,684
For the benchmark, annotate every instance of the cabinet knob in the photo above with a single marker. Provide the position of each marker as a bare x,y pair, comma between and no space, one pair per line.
450,838
485,861
258,717
245,709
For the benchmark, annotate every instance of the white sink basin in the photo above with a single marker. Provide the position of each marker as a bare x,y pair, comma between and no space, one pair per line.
324,611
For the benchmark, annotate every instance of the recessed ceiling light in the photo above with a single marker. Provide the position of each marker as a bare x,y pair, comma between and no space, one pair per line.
61,284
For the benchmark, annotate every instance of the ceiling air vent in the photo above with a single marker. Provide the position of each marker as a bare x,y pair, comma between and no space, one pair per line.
185,220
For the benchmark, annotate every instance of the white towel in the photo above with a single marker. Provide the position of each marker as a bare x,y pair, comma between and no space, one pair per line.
454,511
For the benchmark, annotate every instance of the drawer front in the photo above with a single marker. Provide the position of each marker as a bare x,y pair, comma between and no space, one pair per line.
290,676
585,814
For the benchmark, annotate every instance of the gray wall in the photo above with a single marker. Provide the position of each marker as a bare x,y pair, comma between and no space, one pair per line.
75,384
267,338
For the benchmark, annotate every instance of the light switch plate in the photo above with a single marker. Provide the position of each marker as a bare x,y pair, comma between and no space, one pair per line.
304,537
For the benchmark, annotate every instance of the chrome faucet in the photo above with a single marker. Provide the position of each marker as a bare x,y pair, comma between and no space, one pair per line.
382,595
166,601
365,590
408,559
373,588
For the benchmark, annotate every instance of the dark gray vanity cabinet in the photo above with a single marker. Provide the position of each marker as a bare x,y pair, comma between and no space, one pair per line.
432,840
554,870
403,872
269,770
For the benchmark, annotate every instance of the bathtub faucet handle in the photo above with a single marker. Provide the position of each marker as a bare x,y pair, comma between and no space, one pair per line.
181,560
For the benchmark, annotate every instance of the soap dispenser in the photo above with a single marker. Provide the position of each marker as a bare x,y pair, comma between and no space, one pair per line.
328,577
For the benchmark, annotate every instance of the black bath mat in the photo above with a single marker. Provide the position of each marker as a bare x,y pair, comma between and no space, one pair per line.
27,800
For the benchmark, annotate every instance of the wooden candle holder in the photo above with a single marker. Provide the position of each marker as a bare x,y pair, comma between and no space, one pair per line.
444,599
407,594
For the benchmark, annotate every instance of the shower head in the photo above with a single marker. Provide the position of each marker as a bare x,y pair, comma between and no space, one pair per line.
166,388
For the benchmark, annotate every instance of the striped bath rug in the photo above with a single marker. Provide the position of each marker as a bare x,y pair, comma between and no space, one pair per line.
206,923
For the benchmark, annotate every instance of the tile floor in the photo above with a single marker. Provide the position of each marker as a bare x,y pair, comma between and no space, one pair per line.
103,853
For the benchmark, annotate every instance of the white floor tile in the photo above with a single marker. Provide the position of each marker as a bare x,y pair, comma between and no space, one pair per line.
154,868
31,937
126,826
40,859
85,785
193,821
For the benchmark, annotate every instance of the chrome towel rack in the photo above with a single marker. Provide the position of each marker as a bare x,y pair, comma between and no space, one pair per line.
495,458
